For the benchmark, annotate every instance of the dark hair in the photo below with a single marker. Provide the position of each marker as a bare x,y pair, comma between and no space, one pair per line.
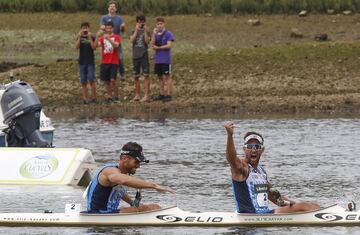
160,19
253,133
84,24
109,23
112,2
140,17
132,146
134,150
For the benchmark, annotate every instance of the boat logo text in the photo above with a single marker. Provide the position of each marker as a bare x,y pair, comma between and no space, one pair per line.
332,217
328,216
196,219
39,167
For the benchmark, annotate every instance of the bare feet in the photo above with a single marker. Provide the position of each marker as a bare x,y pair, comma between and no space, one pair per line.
136,98
145,99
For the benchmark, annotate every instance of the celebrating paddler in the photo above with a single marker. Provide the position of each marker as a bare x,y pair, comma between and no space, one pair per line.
108,187
252,190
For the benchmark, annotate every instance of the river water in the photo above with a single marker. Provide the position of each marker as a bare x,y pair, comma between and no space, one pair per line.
306,159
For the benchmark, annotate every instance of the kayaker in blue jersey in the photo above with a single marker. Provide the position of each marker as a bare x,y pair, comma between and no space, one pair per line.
252,190
108,186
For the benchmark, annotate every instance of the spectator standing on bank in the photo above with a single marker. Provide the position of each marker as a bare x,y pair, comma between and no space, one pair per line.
109,43
161,42
86,46
119,27
140,39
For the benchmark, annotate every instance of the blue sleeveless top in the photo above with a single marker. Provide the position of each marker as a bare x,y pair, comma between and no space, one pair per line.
104,199
251,195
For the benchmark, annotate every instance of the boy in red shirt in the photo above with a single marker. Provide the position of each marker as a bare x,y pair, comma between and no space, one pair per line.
109,43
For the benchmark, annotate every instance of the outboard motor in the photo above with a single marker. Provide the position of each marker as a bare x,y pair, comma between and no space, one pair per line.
21,109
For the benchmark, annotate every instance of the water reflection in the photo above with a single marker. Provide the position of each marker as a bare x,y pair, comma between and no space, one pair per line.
108,121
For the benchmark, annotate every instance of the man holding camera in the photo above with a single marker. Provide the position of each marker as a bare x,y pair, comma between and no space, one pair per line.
119,27
161,41
86,45
140,38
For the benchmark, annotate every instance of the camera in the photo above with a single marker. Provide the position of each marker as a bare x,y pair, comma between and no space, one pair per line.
85,33
142,25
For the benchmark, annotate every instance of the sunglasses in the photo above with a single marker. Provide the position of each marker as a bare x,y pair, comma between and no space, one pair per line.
251,146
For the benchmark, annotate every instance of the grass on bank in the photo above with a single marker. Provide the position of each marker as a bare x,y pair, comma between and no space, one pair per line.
172,7
45,37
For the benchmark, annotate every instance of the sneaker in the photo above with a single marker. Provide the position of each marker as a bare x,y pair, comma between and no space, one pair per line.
159,98
116,99
85,102
166,98
108,101
93,101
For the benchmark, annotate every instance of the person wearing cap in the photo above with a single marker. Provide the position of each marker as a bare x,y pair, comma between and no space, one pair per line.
108,187
252,190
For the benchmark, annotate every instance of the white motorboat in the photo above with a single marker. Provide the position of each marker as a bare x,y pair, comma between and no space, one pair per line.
27,155
46,127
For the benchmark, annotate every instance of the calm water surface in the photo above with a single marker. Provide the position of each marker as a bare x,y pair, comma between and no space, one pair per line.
308,159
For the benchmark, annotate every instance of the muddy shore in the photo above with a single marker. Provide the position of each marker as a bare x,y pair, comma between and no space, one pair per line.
255,95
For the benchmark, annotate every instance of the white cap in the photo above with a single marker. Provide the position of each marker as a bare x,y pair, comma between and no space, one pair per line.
255,137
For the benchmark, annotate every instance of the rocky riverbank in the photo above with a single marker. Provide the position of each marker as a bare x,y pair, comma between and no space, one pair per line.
265,72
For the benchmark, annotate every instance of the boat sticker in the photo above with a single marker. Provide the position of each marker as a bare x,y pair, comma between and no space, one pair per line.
169,218
39,166
191,219
328,216
270,218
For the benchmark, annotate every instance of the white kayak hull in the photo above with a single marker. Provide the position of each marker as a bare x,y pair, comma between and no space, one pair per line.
173,216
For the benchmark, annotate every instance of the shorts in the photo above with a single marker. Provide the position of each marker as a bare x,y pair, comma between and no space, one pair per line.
141,63
108,72
101,211
87,73
270,211
162,69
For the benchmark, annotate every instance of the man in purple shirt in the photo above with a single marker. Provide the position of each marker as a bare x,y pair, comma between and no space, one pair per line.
119,27
161,41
